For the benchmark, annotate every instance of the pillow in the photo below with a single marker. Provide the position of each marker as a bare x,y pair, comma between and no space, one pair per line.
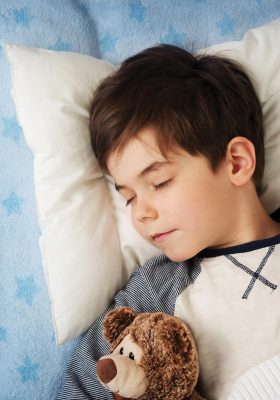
89,247
52,91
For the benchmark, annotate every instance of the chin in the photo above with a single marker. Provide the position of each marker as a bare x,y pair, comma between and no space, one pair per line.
179,256
176,257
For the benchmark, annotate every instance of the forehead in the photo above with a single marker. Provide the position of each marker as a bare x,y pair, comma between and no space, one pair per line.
136,155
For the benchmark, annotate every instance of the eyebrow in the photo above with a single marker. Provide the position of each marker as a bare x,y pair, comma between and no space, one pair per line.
155,166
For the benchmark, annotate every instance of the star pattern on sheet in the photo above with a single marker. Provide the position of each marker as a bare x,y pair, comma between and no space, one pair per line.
174,37
22,16
26,289
83,9
28,370
226,25
13,204
108,43
11,129
137,11
60,45
3,334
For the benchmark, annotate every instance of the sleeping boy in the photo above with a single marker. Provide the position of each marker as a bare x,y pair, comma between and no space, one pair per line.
182,136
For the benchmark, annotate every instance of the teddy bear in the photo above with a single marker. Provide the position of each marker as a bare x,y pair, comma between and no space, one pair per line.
152,357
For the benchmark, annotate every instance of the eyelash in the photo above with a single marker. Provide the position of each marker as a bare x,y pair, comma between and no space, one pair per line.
156,187
162,185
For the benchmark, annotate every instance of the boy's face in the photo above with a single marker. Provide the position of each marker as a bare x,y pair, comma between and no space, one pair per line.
180,198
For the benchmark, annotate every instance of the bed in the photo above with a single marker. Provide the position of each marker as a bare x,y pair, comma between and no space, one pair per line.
32,354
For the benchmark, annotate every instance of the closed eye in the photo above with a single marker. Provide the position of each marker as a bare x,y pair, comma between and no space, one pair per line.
156,187
129,201
162,185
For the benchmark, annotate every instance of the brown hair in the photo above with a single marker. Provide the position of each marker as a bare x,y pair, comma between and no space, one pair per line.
196,102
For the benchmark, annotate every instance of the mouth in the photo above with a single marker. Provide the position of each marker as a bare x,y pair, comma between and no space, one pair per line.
159,237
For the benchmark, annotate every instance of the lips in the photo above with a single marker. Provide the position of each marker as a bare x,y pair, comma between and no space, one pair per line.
158,237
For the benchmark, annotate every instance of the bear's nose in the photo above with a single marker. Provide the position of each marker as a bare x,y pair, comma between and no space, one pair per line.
106,370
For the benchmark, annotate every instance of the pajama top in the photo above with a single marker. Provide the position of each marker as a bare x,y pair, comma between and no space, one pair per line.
230,299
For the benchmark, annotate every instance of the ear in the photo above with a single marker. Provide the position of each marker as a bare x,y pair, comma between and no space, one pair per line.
116,321
179,348
241,160
177,340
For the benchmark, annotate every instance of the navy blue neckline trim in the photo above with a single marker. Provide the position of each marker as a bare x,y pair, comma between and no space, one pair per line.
240,248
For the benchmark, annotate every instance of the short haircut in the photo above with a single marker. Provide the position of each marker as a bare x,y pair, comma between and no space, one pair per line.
195,102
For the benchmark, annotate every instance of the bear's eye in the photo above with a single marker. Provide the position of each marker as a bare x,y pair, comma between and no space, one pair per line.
131,356
121,350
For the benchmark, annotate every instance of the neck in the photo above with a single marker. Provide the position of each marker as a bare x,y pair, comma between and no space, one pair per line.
249,220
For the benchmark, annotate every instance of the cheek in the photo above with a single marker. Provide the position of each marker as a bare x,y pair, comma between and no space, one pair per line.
188,209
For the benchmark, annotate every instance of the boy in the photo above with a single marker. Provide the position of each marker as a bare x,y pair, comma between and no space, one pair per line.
182,136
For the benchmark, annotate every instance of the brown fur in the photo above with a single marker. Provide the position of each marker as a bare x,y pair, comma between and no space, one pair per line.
170,358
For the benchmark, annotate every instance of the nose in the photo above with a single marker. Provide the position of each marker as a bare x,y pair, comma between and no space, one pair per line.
144,209
106,370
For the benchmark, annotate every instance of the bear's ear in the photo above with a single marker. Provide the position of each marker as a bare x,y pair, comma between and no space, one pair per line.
116,321
177,340
178,347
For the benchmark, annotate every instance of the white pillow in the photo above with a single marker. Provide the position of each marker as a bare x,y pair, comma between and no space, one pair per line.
79,242
86,259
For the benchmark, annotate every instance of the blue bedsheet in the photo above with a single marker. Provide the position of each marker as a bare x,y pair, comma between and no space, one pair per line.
31,364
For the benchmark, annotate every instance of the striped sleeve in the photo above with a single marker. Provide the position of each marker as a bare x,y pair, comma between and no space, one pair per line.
153,287
80,381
